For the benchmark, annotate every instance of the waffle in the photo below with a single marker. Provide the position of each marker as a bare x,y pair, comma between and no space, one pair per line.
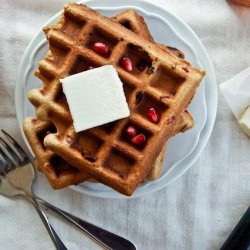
34,129
166,82
186,122
241,2
131,20
59,173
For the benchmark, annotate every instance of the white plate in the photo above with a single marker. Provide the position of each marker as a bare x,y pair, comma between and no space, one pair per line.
168,29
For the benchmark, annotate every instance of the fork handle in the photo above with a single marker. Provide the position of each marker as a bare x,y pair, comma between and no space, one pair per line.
55,238
105,238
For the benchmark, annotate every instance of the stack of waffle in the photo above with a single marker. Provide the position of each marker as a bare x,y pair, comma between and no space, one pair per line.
161,78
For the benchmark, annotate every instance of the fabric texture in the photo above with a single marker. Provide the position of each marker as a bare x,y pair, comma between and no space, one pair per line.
199,210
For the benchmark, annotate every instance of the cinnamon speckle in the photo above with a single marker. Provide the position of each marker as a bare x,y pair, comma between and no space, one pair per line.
150,70
177,52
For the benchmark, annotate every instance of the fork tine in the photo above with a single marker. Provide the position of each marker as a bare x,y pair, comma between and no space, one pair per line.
2,165
7,160
8,151
15,145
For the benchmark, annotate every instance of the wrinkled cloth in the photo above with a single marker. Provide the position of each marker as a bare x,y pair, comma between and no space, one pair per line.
199,210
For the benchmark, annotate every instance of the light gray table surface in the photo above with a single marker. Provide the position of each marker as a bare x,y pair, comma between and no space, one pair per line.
197,211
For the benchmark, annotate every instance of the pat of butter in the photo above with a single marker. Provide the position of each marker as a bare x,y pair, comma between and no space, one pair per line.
95,97
237,95
237,92
244,121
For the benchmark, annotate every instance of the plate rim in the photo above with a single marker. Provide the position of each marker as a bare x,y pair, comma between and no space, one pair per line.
207,132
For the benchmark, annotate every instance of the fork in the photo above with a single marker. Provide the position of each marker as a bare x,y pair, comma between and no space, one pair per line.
16,178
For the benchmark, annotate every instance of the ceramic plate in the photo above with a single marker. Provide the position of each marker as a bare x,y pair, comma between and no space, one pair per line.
166,28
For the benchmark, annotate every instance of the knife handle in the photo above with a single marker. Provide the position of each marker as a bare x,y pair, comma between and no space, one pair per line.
239,239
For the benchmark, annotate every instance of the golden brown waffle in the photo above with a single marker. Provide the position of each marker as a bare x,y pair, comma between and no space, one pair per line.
131,20
166,82
34,128
241,2
186,122
59,173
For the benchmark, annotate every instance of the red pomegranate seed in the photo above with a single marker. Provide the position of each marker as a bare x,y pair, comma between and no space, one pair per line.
101,48
127,64
186,69
153,115
138,139
131,131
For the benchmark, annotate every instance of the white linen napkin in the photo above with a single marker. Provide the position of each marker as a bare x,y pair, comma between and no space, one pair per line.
199,210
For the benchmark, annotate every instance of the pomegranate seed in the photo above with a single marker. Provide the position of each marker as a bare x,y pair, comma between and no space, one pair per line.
185,69
127,64
153,115
90,67
101,48
131,131
138,139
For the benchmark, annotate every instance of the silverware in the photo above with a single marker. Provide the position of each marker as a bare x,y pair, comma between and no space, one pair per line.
240,236
16,179
103,237
106,239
